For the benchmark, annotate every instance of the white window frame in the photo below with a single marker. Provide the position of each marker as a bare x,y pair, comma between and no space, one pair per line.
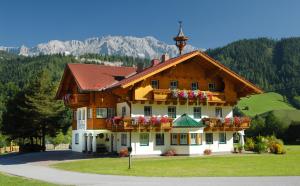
76,138
123,139
144,139
219,112
159,139
123,113
147,112
212,138
183,138
174,84
197,114
174,139
212,87
194,86
193,138
110,112
223,134
101,112
155,84
172,113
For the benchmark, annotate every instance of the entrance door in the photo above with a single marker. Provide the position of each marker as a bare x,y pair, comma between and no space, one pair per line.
85,142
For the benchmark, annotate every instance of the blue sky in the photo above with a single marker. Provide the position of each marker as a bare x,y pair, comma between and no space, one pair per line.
208,23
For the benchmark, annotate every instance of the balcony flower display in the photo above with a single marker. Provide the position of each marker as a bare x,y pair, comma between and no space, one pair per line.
228,122
237,121
191,94
154,120
164,120
183,94
141,120
175,93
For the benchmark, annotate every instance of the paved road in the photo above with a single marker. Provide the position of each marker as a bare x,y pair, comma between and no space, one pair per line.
35,166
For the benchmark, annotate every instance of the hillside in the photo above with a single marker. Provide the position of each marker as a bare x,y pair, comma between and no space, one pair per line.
286,116
262,103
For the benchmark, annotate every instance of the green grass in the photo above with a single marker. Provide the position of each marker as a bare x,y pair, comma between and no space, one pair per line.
262,103
227,165
286,116
8,180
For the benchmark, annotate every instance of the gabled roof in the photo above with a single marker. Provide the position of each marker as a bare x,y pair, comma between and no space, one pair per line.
184,121
93,77
177,60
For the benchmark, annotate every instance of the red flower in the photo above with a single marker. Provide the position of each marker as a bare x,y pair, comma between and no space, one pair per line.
141,119
164,120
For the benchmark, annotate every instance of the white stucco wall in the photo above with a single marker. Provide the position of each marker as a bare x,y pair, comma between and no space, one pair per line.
119,109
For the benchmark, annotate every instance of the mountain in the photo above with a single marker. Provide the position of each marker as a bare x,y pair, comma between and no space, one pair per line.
146,47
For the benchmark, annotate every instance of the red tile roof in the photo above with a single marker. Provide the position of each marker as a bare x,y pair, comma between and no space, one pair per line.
97,77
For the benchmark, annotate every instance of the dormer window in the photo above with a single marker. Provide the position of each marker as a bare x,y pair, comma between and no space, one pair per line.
174,84
195,86
155,84
211,86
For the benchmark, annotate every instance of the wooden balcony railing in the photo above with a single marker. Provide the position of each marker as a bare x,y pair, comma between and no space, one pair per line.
191,95
235,123
139,124
76,99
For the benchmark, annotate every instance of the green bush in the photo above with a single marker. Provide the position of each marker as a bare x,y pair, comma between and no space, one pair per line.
261,145
275,145
249,144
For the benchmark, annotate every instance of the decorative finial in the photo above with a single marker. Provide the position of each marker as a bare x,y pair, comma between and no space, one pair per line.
180,39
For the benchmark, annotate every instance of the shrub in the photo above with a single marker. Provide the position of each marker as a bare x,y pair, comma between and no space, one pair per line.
275,145
249,144
170,152
261,146
123,152
207,152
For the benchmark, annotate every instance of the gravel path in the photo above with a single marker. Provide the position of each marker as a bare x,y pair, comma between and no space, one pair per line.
34,166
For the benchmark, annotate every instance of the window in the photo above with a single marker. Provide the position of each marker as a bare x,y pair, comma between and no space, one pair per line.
83,114
222,138
101,113
75,115
79,114
159,139
183,139
147,111
197,112
123,111
195,86
110,112
144,139
123,139
76,138
199,139
173,85
155,84
236,137
90,113
174,139
209,138
172,112
211,87
219,112
193,138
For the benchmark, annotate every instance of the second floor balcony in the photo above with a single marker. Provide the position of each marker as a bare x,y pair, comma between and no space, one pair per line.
191,95
76,100
235,123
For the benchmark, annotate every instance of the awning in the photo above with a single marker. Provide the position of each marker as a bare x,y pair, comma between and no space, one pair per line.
184,121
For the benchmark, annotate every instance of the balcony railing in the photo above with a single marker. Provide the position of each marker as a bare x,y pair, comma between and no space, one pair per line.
76,99
191,95
139,123
222,123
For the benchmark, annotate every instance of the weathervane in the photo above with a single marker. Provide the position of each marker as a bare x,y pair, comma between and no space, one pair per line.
180,39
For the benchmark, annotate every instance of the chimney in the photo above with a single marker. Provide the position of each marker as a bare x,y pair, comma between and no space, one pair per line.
154,62
139,67
165,57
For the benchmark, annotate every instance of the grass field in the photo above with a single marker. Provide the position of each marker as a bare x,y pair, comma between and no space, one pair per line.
286,116
262,103
227,165
7,180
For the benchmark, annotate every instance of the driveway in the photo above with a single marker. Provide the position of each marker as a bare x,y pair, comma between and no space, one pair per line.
34,165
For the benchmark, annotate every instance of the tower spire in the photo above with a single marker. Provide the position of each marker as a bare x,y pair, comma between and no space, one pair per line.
180,39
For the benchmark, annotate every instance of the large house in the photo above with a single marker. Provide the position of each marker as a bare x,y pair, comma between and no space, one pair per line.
183,103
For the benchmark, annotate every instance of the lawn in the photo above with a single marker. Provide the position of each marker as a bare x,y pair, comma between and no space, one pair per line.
8,180
261,103
226,165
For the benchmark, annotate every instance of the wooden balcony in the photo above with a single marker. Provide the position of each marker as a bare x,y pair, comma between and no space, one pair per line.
119,124
76,100
227,124
197,96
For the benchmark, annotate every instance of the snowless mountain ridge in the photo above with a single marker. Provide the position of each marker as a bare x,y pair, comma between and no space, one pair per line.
145,47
